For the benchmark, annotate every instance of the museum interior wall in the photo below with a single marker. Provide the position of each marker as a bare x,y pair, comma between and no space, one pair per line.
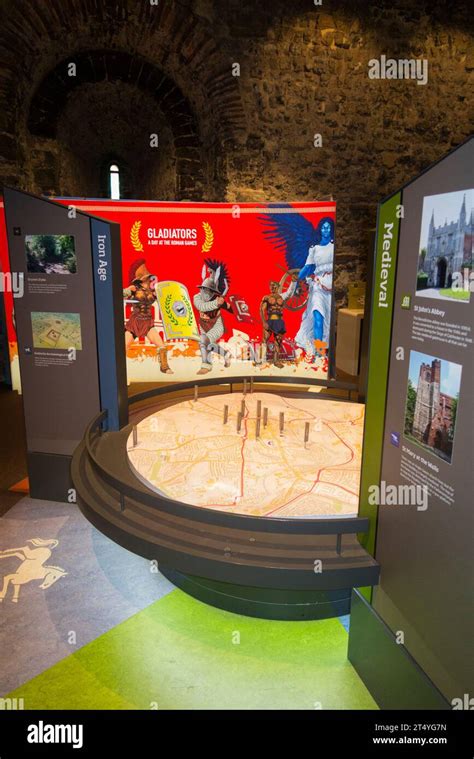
143,69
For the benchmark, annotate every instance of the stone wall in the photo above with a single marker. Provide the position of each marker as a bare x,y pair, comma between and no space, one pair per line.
86,147
168,68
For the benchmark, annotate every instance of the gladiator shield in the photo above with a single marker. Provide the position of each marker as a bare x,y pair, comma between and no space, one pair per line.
176,311
241,309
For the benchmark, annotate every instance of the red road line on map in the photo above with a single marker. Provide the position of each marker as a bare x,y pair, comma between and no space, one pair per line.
344,443
296,496
313,416
316,481
336,485
245,438
203,403
300,495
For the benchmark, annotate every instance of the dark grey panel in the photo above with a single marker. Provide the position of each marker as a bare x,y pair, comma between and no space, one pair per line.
120,359
392,676
425,556
58,399
49,476
266,603
109,321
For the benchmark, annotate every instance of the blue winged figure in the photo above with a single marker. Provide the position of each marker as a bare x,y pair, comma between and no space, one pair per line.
311,250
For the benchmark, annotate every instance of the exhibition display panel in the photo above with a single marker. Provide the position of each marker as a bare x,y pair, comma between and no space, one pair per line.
64,325
417,479
250,255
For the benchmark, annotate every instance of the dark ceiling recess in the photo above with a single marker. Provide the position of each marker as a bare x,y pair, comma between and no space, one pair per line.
103,65
168,52
56,92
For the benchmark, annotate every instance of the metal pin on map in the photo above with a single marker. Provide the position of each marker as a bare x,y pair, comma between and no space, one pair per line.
257,429
239,421
259,409
226,413
306,433
265,416
242,408
282,422
196,389
135,435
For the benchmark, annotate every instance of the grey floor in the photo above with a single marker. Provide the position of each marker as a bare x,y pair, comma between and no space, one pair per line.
104,585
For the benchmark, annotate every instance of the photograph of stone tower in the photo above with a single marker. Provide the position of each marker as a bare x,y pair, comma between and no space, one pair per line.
432,399
446,246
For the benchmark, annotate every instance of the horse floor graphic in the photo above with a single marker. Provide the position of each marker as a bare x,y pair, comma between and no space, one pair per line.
62,585
32,566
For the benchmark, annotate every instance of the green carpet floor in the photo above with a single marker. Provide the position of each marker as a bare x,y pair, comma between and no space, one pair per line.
181,654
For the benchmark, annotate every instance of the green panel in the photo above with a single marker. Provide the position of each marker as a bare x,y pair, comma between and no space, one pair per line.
181,654
379,358
366,592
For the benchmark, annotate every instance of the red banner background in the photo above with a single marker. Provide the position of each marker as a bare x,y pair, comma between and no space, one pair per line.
238,241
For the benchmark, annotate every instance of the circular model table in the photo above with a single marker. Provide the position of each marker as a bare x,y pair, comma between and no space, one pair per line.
261,454
247,501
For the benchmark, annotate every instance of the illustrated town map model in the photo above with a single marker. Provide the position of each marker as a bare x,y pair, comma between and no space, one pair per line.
188,452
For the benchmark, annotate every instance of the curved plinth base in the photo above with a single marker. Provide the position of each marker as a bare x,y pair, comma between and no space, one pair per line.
266,603
262,566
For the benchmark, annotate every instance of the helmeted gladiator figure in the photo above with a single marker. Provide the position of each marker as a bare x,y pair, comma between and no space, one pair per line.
209,302
141,322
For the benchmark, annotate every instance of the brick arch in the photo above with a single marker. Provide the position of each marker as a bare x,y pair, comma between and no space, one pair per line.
178,39
94,66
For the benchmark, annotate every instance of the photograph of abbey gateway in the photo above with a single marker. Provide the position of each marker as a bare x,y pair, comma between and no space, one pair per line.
446,246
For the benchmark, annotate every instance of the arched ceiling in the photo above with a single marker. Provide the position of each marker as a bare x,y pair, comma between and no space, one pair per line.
166,51
165,48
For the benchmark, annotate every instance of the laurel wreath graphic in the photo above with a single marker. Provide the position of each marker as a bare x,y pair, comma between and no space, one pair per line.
135,236
190,310
209,239
168,310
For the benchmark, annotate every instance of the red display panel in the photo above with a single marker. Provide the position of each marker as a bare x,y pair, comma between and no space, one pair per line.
240,249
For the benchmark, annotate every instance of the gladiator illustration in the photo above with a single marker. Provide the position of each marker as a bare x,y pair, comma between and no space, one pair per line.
271,313
309,251
209,302
318,272
141,322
